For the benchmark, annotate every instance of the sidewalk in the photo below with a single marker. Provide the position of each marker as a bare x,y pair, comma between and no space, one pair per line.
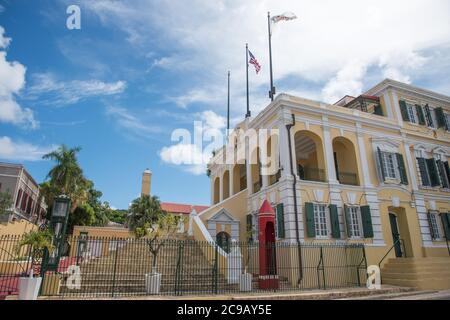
292,295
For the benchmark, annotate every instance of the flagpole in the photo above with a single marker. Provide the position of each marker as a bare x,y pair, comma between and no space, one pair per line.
247,115
228,104
272,88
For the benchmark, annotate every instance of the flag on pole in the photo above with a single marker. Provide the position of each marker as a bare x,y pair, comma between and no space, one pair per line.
254,62
284,17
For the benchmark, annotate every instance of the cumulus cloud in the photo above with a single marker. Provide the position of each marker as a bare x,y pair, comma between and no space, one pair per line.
12,80
189,154
53,91
320,47
21,151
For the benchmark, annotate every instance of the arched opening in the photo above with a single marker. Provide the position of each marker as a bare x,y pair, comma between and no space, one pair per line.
226,184
216,196
309,156
255,166
239,178
223,241
345,161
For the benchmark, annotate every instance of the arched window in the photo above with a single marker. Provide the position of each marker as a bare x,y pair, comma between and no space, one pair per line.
223,241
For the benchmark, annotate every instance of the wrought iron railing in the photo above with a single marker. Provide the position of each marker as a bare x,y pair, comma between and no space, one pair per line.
313,174
114,267
348,178
402,246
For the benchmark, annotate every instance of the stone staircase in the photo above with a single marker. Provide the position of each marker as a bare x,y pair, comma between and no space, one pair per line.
123,272
431,273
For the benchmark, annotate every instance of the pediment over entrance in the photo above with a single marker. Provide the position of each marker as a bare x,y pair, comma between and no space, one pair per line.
222,216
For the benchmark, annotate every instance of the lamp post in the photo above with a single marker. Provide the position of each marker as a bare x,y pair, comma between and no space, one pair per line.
58,224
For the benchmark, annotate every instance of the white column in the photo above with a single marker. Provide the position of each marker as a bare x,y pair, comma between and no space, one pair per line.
221,187
410,164
363,157
248,168
231,180
329,159
388,106
397,109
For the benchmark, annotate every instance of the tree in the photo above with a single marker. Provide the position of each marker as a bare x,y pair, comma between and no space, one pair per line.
6,203
37,241
66,177
147,220
83,215
146,209
117,216
155,233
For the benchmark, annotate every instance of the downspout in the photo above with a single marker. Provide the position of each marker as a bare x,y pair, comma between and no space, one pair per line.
294,190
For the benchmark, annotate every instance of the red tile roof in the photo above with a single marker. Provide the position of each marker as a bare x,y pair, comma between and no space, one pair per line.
181,208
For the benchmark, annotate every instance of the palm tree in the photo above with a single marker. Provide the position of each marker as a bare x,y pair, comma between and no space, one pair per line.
144,210
67,170
66,177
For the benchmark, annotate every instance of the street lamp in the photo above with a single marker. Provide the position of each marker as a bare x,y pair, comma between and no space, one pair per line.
58,224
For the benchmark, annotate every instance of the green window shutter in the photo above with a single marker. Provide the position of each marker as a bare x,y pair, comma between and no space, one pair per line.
347,220
447,170
433,236
433,172
377,110
428,116
334,219
402,169
310,227
442,173
404,110
423,171
380,163
366,222
280,220
445,217
249,227
420,114
441,121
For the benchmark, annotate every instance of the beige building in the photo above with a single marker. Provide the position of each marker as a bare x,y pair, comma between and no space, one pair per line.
27,204
371,169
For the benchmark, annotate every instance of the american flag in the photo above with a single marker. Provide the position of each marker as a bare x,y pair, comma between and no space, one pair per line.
254,62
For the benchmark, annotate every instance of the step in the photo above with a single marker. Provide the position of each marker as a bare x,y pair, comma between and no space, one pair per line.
414,275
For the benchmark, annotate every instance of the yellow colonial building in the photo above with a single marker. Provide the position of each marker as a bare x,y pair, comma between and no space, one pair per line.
371,169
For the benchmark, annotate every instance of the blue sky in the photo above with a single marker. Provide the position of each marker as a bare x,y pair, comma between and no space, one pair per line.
138,70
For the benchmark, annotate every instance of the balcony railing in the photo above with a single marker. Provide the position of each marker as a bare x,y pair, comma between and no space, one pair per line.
348,178
313,174
257,186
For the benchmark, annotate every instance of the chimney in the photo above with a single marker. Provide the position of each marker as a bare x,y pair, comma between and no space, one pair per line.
146,182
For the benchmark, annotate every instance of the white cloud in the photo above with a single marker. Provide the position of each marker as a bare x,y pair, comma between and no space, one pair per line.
132,123
321,46
52,91
12,80
21,151
188,156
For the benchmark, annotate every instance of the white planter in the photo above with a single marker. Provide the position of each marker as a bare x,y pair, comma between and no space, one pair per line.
29,288
152,283
245,282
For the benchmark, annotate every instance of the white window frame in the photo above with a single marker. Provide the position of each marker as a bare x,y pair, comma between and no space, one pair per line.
437,226
390,158
355,223
321,223
411,109
433,116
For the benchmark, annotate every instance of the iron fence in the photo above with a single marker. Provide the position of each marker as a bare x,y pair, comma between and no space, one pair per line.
110,267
